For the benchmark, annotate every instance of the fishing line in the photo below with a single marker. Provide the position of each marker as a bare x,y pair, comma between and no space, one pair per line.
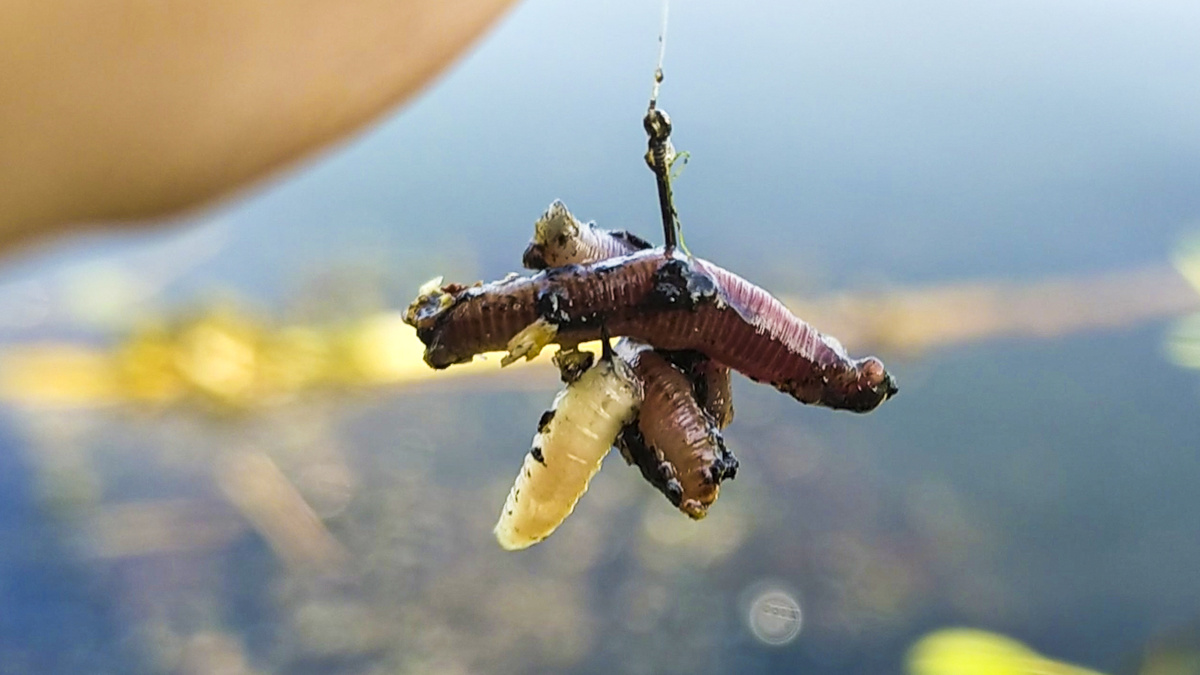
660,154
662,52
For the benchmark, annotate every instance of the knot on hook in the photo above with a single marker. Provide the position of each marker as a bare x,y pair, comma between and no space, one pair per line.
657,124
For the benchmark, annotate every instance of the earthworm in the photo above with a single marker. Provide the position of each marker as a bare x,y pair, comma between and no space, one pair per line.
658,297
572,439
674,442
560,239
710,381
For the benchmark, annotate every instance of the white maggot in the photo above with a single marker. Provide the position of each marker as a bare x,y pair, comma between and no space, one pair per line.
572,440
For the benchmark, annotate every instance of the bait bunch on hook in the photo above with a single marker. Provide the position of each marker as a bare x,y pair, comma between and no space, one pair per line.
661,394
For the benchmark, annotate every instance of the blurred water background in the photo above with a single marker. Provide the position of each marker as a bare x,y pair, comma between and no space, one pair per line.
1036,477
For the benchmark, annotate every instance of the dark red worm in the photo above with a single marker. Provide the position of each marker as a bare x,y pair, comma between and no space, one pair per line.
560,239
666,300
675,443
675,440
710,381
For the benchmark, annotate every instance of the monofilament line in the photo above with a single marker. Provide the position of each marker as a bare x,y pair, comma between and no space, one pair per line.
662,52
659,153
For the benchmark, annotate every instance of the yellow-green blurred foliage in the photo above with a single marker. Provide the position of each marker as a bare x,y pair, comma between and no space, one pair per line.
965,651
222,357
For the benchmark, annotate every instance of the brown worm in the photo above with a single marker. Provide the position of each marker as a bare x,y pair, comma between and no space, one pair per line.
710,381
560,239
658,297
675,443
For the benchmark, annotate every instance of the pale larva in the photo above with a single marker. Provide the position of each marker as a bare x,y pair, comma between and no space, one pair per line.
572,439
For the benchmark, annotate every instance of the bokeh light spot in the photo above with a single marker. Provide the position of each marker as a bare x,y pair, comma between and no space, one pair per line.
774,617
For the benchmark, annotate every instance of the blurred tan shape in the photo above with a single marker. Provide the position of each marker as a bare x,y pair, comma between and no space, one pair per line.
255,485
964,651
136,108
151,528
211,653
910,322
